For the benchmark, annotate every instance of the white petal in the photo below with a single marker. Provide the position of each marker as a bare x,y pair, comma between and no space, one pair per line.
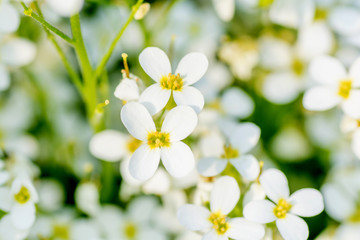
327,70
66,8
127,90
355,143
212,235
211,166
237,103
142,209
225,195
192,67
292,228
9,18
178,159
125,173
194,217
256,192
4,78
155,63
144,162
225,9
351,105
320,99
247,166
345,20
354,73
5,199
159,184
108,145
154,98
243,229
245,137
190,96
179,122
275,184
306,202
23,215
137,120
261,211
18,52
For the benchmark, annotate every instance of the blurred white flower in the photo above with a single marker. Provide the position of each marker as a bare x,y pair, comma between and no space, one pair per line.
237,103
127,90
9,17
283,208
225,9
166,144
215,223
65,8
87,198
157,65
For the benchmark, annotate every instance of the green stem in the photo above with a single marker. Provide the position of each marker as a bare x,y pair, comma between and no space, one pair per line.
85,66
108,54
42,21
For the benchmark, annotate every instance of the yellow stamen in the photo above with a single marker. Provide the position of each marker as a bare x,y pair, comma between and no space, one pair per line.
219,222
124,56
282,208
130,230
172,82
230,152
344,88
23,195
158,139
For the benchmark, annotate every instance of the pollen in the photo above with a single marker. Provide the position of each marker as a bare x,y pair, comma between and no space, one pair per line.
219,222
282,208
230,152
158,139
344,88
172,82
133,144
23,195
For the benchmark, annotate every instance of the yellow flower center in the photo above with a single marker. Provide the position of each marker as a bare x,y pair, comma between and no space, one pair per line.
298,67
23,195
230,152
344,88
61,231
172,82
282,208
158,139
130,230
133,144
355,218
219,222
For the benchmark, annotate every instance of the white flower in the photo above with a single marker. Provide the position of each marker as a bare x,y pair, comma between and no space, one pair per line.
225,9
66,8
305,202
9,18
157,65
166,144
337,86
218,226
237,103
20,201
244,137
127,90
87,198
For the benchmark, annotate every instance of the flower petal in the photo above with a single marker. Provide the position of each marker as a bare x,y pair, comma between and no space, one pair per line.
256,192
320,99
18,52
108,145
243,229
225,195
245,137
354,73
144,162
137,120
189,96
194,217
9,18
155,63
178,159
345,20
306,202
247,166
212,235
327,70
127,90
4,78
5,199
225,9
275,184
261,211
154,98
351,105
211,166
237,103
293,228
355,143
192,67
179,122
23,215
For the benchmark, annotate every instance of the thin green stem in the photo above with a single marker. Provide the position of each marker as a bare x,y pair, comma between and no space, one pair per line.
108,54
85,66
73,75
42,21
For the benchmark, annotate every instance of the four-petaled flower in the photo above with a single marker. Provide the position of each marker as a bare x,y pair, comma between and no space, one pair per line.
166,144
285,209
157,65
218,226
